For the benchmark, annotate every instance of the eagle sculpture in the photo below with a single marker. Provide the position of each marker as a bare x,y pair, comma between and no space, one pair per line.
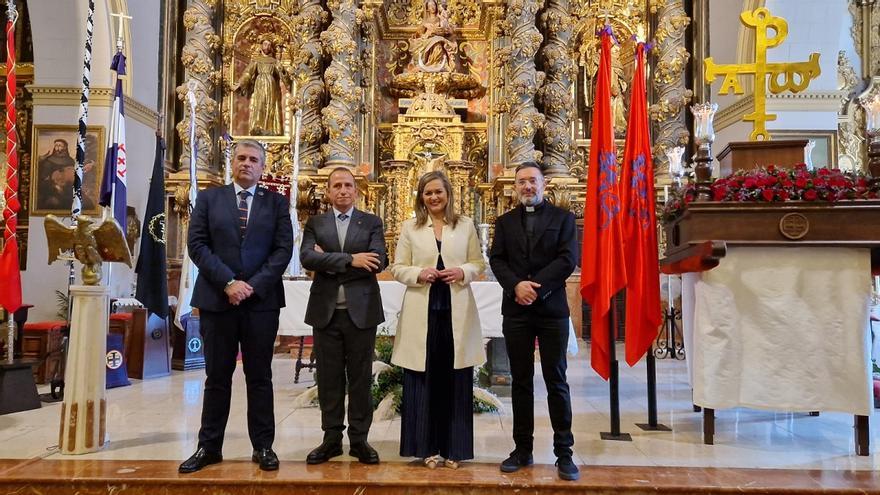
92,243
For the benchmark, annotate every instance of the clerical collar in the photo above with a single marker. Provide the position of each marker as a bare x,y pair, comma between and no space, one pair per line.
532,209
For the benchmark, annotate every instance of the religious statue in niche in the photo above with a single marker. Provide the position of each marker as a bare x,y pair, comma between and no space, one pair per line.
432,45
261,81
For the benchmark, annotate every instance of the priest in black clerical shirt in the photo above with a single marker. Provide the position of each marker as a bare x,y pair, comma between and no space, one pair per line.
533,253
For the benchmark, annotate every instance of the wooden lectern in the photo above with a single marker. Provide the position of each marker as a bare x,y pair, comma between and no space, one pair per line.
706,231
746,155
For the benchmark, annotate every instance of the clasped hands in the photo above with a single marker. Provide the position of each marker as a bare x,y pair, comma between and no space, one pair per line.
526,292
238,291
449,275
368,261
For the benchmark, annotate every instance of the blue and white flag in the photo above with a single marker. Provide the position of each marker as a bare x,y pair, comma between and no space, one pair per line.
113,188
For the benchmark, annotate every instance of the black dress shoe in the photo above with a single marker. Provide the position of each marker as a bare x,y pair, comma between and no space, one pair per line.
518,458
567,469
266,458
364,453
324,453
199,460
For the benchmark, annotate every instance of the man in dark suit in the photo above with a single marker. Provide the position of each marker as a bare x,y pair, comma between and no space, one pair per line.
345,247
241,239
533,253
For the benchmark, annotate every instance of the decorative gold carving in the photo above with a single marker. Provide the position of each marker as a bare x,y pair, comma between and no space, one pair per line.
406,13
524,80
453,84
796,75
851,117
308,68
91,244
555,94
672,97
197,58
339,115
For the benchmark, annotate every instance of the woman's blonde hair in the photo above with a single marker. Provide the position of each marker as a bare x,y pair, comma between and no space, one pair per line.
449,215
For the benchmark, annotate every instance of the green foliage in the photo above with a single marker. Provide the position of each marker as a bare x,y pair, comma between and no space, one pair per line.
481,406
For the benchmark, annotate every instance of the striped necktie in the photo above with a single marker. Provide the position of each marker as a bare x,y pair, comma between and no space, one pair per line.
243,211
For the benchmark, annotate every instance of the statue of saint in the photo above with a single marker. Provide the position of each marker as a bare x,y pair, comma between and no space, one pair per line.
433,50
262,77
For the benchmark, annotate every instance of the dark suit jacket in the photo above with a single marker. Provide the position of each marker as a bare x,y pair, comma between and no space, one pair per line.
549,260
333,267
216,247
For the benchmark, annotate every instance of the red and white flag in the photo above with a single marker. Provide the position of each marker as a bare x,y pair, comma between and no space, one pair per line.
10,288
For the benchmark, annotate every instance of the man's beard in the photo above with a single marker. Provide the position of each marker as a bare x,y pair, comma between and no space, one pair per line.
531,201
61,153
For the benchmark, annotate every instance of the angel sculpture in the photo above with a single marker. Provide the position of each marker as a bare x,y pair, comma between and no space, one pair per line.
91,243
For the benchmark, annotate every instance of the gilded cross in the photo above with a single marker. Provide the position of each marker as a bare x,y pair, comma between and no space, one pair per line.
784,76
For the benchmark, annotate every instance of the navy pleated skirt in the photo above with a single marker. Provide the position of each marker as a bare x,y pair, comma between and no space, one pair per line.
437,410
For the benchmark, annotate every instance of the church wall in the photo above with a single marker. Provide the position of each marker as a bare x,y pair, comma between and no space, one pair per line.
59,36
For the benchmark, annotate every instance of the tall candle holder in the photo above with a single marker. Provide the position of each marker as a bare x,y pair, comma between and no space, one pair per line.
676,169
704,136
483,231
872,129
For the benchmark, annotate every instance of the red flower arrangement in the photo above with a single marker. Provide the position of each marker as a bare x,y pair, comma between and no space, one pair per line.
772,184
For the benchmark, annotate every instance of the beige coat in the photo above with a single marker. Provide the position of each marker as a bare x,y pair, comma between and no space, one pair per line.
417,249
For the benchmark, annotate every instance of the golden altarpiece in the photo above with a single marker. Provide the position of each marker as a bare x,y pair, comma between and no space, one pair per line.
395,88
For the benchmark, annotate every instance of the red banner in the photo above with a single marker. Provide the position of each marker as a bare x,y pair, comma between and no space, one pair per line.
602,270
10,289
643,316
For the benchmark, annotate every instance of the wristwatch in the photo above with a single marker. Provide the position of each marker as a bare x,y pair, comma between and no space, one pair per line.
229,283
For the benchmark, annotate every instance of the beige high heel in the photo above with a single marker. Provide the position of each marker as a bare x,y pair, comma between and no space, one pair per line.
451,464
431,462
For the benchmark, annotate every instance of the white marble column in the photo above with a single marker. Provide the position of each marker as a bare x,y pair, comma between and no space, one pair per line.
83,413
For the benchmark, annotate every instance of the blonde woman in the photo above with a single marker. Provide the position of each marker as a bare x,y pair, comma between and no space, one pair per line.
438,339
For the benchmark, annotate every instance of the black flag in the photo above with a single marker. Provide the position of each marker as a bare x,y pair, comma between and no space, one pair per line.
152,281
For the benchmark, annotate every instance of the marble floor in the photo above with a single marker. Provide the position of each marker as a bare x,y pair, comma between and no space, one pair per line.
158,420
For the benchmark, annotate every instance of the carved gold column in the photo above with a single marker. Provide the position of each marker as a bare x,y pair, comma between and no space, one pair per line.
671,95
555,94
523,81
340,114
308,62
461,177
398,197
197,58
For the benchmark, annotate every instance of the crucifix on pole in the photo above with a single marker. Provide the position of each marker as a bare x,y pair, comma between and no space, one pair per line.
119,39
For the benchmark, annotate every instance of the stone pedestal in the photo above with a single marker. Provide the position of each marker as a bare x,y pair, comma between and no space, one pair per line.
498,367
83,413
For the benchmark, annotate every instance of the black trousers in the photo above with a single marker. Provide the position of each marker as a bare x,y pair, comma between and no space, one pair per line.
223,333
344,354
552,334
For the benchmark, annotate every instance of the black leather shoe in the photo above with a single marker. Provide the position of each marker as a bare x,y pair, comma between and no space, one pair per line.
567,469
199,460
266,458
518,458
324,453
364,453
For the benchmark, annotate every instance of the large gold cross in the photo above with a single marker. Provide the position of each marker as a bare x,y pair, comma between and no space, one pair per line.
795,76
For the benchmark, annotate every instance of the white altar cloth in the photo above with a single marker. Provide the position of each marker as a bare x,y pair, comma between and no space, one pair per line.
488,296
784,329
